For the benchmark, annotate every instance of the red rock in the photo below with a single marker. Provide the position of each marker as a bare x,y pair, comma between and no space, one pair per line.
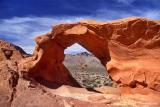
132,45
134,66
10,55
10,51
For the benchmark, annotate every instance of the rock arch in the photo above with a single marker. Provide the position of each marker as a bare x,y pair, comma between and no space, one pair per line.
49,53
133,43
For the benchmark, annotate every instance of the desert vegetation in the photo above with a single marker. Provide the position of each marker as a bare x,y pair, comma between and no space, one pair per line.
87,70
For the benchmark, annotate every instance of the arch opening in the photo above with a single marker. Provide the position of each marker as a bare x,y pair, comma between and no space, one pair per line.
85,68
49,54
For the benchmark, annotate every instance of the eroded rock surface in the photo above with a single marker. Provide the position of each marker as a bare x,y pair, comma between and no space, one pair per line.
10,55
128,48
132,45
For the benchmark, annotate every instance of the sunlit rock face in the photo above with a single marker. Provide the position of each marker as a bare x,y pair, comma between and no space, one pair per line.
9,51
10,55
133,64
128,48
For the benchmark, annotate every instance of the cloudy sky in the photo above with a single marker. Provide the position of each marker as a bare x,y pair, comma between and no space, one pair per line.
22,20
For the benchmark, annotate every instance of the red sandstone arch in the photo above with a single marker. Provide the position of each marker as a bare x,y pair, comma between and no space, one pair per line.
133,43
51,49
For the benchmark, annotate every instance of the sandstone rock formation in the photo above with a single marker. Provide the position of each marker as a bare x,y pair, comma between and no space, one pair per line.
10,51
128,48
132,45
10,55
15,91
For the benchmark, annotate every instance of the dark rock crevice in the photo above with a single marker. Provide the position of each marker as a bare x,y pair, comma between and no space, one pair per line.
13,81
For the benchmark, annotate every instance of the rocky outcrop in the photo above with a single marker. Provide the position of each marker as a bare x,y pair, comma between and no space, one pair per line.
15,91
128,48
49,53
10,55
135,48
9,51
132,45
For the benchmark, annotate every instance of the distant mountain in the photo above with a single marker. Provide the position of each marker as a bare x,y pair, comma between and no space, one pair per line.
84,53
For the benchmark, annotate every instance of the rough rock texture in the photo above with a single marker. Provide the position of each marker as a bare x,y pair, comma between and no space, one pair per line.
128,48
9,51
10,55
132,45
135,53
15,91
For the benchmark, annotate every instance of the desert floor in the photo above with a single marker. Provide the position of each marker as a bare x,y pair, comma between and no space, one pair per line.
87,70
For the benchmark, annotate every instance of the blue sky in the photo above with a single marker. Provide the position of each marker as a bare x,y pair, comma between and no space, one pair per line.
22,20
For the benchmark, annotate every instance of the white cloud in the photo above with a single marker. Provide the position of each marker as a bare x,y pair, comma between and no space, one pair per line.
153,14
105,14
25,29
